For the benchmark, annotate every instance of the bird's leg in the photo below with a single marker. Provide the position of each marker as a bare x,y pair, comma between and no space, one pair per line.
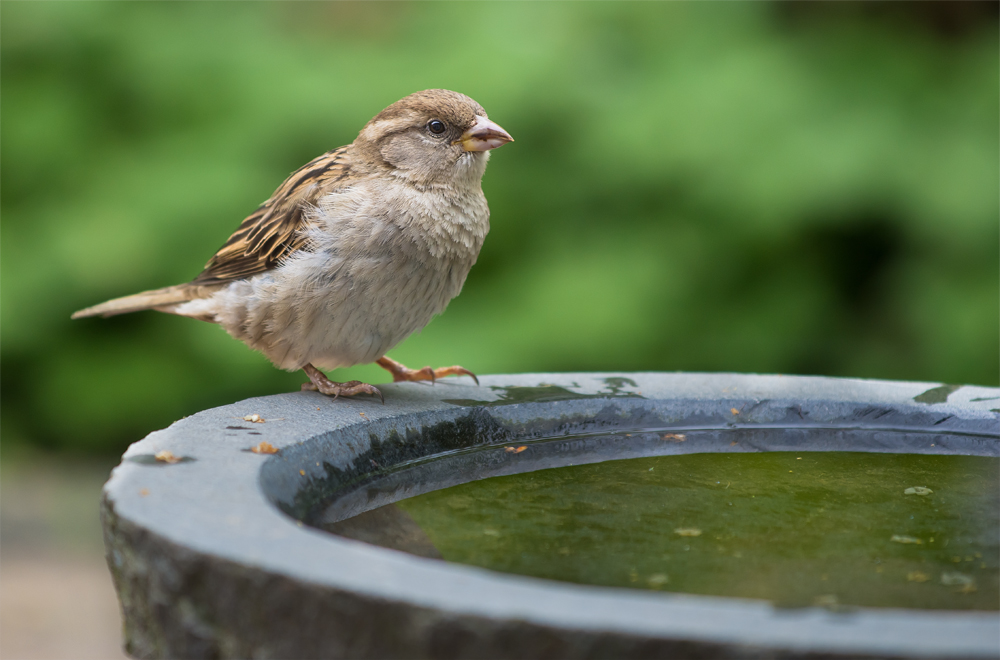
400,372
319,382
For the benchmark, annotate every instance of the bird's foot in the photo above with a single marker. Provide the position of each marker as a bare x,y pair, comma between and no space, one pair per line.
318,382
401,372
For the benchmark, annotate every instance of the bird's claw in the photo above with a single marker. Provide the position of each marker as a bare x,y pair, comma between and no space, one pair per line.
402,373
414,375
318,382
441,372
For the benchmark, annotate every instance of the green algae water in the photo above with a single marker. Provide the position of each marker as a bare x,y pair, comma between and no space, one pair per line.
836,529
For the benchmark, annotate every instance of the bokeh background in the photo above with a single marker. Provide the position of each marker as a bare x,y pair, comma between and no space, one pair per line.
800,188
795,188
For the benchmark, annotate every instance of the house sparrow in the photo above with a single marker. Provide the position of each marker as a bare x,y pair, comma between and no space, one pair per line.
356,250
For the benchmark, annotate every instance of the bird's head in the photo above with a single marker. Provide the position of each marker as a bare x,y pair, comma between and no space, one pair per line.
434,136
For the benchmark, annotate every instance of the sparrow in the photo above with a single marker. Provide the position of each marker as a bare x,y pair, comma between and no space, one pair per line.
355,251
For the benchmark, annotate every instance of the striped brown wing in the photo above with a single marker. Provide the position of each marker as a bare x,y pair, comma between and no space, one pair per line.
274,230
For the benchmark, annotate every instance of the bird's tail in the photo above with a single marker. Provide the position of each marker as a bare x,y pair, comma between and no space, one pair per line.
162,300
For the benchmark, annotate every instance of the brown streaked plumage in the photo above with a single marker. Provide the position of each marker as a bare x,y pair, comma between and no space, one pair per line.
355,250
273,230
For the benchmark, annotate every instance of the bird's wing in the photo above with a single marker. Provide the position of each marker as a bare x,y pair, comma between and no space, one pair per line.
275,230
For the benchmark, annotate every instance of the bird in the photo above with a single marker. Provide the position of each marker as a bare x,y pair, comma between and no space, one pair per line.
355,251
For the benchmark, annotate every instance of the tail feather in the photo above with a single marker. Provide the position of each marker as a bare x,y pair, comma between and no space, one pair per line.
158,299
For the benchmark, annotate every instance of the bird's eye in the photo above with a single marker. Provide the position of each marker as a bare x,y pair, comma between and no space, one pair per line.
436,126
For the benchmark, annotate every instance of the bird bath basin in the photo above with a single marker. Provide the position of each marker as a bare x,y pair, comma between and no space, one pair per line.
579,515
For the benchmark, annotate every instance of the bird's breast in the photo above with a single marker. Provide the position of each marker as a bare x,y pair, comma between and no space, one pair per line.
445,224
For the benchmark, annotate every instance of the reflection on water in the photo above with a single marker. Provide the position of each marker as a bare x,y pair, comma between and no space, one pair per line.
835,529
387,526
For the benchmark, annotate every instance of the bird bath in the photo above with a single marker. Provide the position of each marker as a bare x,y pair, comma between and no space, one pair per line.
580,515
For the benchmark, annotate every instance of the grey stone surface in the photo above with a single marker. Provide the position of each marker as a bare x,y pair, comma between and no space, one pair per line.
208,565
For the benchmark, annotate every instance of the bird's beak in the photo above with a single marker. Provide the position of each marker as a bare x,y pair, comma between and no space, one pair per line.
483,136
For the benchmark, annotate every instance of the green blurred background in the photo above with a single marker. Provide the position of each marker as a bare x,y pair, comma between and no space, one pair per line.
796,188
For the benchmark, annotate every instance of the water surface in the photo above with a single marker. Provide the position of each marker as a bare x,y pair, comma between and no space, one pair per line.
837,529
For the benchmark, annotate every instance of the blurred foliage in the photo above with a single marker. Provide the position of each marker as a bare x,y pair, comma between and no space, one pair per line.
797,188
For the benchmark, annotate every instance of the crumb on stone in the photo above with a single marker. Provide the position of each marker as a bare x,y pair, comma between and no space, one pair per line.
166,457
